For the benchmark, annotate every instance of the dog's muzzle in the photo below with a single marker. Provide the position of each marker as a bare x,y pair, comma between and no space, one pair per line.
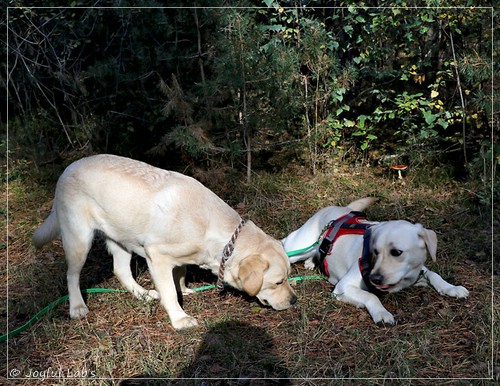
376,278
280,306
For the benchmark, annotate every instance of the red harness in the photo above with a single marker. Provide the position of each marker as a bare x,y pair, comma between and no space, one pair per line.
353,223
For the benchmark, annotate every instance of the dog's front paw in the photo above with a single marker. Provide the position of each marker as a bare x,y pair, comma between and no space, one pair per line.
457,292
184,322
383,316
151,295
309,264
188,291
78,311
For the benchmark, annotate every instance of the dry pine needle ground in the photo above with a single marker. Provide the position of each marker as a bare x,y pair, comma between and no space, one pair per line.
123,338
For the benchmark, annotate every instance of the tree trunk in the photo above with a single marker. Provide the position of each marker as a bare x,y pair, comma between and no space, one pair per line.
247,137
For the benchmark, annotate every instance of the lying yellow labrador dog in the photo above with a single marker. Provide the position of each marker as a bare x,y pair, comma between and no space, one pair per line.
365,259
169,219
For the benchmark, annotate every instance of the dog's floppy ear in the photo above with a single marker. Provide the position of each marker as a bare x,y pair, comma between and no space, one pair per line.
430,240
251,274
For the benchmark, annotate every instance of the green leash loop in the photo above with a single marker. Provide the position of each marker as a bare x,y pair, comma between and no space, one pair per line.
62,299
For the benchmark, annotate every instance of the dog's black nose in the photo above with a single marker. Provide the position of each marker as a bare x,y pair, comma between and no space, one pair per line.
293,300
376,278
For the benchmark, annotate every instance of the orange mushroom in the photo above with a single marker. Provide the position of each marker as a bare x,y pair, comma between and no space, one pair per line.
399,168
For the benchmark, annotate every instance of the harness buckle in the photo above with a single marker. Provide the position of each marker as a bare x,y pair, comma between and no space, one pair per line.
325,246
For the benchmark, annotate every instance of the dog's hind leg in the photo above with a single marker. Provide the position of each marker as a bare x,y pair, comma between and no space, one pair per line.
121,268
180,280
76,244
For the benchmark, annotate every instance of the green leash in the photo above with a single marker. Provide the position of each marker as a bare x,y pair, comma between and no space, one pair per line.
300,251
50,307
62,299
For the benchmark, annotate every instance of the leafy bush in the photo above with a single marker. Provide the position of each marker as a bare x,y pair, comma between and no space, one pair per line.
319,84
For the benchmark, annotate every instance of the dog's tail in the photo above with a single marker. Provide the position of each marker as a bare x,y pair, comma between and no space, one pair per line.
362,203
47,232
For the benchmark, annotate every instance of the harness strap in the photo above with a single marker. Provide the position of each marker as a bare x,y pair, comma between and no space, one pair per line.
333,228
366,264
226,253
345,225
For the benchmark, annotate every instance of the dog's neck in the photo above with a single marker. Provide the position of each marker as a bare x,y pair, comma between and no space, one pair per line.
226,254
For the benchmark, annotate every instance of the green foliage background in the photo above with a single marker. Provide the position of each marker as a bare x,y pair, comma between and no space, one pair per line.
304,82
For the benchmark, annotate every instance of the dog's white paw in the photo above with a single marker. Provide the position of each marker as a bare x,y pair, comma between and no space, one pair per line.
188,291
146,295
456,292
151,294
309,264
184,322
78,311
383,316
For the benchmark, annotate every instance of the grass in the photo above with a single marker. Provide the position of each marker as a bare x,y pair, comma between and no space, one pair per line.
125,341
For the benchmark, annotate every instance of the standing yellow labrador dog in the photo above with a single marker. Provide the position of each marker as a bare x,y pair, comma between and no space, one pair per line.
169,219
365,259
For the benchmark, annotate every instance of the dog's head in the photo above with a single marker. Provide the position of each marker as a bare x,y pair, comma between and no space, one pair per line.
264,273
399,250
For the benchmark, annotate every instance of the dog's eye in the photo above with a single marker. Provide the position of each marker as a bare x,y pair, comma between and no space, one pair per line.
396,252
280,282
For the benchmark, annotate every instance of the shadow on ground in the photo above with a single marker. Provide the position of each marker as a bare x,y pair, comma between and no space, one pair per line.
231,353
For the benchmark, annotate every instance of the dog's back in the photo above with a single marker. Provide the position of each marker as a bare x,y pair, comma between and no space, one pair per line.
93,183
123,197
